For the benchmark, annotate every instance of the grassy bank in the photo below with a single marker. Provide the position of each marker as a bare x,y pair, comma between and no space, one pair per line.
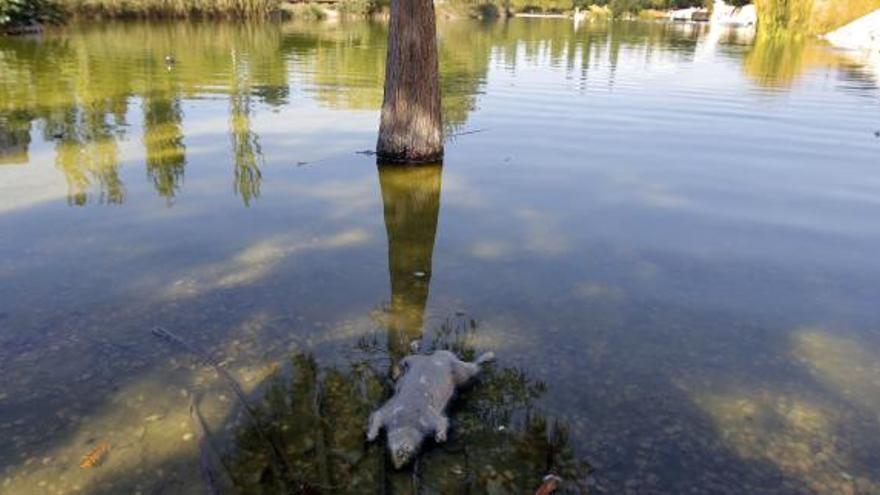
790,16
30,11
810,16
173,8
27,15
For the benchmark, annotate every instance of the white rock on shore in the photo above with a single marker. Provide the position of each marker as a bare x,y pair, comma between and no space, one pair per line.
728,15
861,34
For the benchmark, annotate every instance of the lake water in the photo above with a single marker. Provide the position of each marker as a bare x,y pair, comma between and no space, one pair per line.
668,236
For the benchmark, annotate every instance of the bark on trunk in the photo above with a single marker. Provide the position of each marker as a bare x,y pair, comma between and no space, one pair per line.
411,127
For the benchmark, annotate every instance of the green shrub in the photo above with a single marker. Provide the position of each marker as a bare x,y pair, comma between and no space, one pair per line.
784,15
25,12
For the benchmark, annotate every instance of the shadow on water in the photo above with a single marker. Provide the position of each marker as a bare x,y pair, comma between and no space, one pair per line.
500,443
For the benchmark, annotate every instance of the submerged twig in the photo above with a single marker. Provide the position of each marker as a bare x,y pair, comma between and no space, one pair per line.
319,160
417,477
206,451
278,457
207,361
465,133
321,443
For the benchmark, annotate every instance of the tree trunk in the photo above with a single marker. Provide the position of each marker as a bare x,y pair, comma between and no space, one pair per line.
411,127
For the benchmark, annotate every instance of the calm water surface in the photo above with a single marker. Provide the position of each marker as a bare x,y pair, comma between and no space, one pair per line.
668,236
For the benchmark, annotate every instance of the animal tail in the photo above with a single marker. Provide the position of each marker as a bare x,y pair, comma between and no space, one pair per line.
485,358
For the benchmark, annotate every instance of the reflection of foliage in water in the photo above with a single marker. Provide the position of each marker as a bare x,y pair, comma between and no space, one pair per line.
83,81
778,58
78,88
318,417
775,60
163,140
87,152
499,441
346,62
247,154
15,137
